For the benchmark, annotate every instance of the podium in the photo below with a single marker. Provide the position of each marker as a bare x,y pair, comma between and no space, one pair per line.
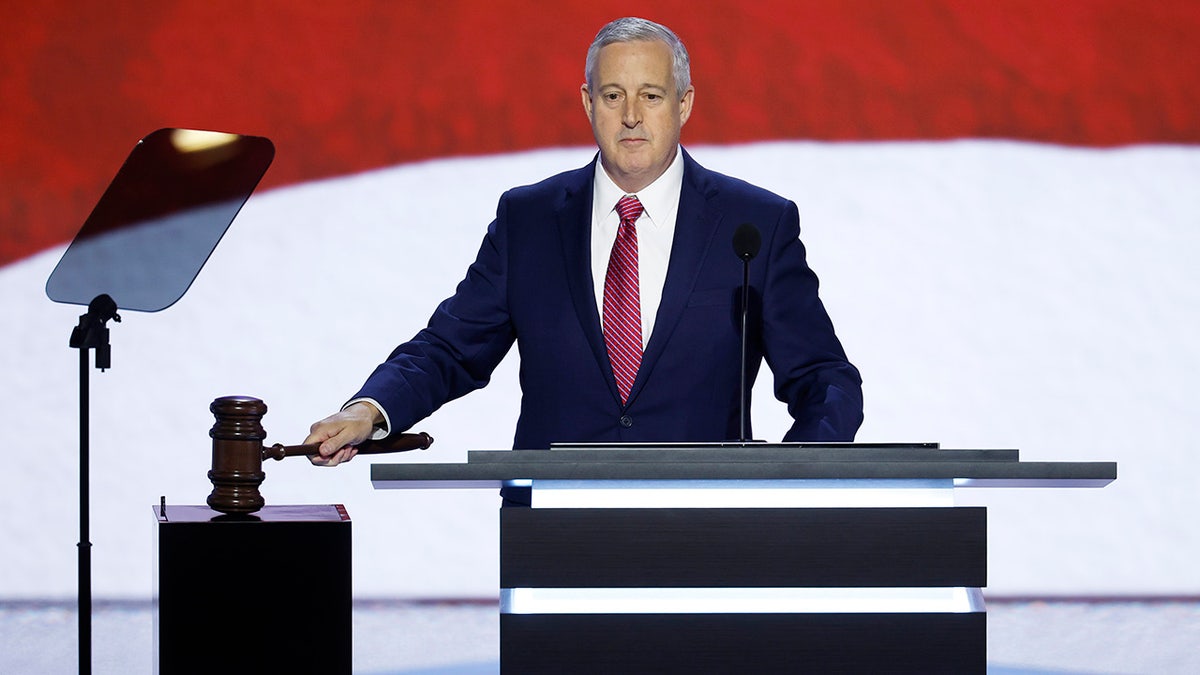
743,557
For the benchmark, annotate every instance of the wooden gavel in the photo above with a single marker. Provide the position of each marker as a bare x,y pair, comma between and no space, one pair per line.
238,453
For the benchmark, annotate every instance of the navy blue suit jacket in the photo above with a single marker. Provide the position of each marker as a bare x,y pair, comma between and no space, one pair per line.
532,283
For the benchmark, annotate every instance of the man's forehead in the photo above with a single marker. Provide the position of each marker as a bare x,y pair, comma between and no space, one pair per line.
650,58
651,48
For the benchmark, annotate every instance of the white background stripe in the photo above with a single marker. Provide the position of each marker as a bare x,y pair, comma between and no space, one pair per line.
994,294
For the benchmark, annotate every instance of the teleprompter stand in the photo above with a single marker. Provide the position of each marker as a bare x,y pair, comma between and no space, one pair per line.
140,249
91,333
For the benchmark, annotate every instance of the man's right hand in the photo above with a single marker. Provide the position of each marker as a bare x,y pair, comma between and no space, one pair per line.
340,434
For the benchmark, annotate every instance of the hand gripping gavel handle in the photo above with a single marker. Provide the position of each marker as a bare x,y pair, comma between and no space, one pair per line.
392,443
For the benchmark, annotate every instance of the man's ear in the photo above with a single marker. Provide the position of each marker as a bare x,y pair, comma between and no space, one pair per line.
685,105
587,100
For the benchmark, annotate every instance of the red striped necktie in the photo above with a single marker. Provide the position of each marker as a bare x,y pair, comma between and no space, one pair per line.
622,300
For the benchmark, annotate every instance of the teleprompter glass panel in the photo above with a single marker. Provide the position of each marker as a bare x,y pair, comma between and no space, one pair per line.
160,218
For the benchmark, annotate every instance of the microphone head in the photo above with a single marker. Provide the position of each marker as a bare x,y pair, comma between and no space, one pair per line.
746,241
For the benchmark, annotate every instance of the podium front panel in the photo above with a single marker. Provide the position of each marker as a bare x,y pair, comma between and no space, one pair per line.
715,548
659,590
743,643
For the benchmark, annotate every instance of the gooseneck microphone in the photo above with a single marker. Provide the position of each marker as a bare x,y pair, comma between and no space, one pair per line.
746,242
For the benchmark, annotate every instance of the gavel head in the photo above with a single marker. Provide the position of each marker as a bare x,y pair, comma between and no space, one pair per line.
237,454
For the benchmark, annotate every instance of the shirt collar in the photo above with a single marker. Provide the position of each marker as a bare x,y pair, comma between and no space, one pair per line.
659,198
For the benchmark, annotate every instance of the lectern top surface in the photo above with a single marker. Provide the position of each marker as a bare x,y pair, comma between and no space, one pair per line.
692,462
775,453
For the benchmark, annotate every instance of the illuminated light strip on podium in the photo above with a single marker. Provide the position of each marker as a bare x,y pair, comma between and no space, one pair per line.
789,493
741,600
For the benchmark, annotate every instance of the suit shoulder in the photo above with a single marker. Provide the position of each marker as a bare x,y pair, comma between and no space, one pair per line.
736,190
552,188
741,189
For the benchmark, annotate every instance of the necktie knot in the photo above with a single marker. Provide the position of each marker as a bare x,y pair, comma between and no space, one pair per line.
629,209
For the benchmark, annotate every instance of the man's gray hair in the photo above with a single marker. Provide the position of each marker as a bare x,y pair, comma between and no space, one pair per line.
633,29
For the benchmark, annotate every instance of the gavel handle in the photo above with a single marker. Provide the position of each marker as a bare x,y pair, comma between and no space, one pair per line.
392,443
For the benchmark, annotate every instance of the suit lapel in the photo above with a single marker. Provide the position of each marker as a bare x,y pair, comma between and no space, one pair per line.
695,225
575,231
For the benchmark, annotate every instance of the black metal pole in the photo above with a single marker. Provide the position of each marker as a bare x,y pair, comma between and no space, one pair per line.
85,544
745,339
746,242
91,333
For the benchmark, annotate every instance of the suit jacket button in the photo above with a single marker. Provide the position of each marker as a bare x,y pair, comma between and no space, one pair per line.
626,421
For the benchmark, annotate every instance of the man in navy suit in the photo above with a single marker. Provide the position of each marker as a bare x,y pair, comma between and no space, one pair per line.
541,274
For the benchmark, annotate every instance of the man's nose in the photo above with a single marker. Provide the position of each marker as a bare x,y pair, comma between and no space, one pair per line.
631,115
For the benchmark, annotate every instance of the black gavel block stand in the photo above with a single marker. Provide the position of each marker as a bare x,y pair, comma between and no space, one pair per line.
267,593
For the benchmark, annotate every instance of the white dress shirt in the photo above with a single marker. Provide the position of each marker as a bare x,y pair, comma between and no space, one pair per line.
655,232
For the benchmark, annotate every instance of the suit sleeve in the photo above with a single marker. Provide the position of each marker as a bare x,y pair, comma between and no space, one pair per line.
456,353
822,389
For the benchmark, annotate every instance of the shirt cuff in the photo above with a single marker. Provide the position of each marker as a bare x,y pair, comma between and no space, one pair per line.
380,431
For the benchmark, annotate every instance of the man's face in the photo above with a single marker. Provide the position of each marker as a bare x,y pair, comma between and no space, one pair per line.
636,113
